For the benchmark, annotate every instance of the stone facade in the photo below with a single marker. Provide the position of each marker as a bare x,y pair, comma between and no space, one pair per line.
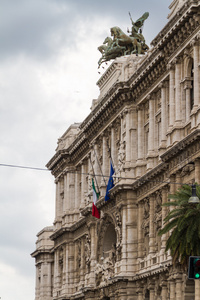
147,118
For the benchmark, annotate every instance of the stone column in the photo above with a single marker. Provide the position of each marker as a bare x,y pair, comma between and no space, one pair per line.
172,288
57,199
151,146
56,270
71,190
171,96
66,268
128,136
164,293
37,282
66,205
140,295
178,119
197,289
164,213
124,242
83,183
151,225
59,204
97,169
71,266
106,161
133,135
196,74
77,192
49,284
179,295
163,115
187,88
131,233
93,252
140,133
140,231
82,268
113,146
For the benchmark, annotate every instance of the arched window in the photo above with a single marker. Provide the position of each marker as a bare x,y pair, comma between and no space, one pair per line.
109,241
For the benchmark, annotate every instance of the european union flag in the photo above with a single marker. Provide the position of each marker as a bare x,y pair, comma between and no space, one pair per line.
110,182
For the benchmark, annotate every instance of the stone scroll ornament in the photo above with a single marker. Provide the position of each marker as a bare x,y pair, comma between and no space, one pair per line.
122,44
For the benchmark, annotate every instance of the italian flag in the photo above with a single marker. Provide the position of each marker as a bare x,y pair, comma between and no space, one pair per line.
95,211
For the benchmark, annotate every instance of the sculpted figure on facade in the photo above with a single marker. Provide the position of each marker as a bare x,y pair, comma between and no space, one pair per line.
87,252
121,156
122,44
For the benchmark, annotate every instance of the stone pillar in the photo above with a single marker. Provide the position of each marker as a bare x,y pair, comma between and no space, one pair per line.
133,135
83,184
172,289
131,233
97,169
56,270
197,289
71,267
151,225
164,213
66,205
128,136
163,115
187,88
82,268
49,282
178,116
106,161
164,292
171,96
196,75
77,192
71,190
140,295
179,295
37,282
66,268
113,147
124,242
93,252
140,231
140,133
151,146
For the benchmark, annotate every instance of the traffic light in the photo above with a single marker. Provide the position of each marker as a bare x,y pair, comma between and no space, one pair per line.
194,267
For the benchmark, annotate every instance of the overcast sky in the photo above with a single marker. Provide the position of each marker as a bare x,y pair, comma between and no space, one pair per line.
48,75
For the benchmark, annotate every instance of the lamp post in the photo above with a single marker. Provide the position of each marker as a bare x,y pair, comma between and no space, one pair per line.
194,199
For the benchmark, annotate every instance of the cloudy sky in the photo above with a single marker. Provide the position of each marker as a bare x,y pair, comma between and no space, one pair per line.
48,75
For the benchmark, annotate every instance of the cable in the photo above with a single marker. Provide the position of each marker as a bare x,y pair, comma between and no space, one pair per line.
23,167
97,175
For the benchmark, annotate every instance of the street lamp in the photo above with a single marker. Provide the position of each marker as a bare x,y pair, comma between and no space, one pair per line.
194,199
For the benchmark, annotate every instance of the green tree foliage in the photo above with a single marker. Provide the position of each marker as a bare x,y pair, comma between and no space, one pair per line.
183,224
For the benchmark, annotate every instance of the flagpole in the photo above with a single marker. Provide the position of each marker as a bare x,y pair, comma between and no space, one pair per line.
110,155
94,175
99,165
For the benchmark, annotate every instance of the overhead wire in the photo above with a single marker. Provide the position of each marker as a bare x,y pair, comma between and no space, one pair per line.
90,174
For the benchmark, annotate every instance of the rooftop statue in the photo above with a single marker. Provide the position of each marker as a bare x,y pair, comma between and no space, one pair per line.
122,44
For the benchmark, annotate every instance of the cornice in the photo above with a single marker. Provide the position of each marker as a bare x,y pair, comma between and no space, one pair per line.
42,251
71,228
149,176
176,149
174,23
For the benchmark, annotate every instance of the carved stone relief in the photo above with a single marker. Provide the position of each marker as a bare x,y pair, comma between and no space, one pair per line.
87,252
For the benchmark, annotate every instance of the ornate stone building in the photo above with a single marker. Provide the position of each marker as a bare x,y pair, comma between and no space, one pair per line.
147,118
